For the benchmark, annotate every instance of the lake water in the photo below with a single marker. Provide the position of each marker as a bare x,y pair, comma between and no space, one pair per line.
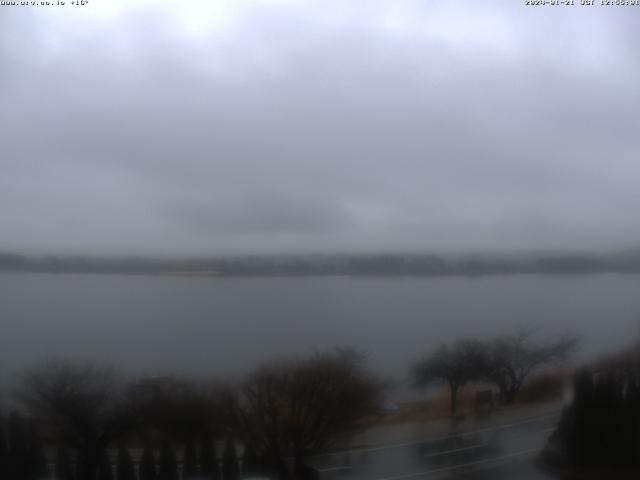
226,326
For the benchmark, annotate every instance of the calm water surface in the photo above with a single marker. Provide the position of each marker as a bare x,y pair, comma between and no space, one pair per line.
225,326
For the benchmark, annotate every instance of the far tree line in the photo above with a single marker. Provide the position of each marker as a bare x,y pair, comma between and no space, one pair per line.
270,423
390,264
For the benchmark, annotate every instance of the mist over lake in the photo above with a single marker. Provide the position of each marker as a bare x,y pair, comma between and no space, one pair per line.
225,327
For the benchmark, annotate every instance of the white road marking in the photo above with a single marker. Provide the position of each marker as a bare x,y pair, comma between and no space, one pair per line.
334,469
463,449
428,455
463,465
439,439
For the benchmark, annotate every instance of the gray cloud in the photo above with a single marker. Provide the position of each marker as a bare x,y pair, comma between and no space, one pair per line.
282,126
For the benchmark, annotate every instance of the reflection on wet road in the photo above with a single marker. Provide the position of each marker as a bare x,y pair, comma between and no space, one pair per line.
498,452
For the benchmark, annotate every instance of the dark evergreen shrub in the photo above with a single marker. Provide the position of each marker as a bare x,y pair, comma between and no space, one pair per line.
147,467
4,451
168,469
105,471
230,461
602,426
208,461
37,461
125,469
251,462
18,467
63,469
189,461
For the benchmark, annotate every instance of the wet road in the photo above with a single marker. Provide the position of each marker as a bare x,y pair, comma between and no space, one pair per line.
503,451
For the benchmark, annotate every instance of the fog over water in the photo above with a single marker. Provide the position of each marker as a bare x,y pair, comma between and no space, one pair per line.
226,326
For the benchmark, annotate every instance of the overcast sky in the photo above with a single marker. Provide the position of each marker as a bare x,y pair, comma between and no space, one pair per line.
232,126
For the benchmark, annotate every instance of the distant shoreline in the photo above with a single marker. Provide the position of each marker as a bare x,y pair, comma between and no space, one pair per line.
204,275
396,265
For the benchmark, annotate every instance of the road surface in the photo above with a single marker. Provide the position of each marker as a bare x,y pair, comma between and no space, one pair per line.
500,451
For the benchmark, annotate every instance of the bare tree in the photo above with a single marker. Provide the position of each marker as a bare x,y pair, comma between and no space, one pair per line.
515,356
298,408
84,405
456,365
180,408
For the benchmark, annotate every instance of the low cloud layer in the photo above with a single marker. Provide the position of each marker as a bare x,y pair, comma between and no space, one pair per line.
280,126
